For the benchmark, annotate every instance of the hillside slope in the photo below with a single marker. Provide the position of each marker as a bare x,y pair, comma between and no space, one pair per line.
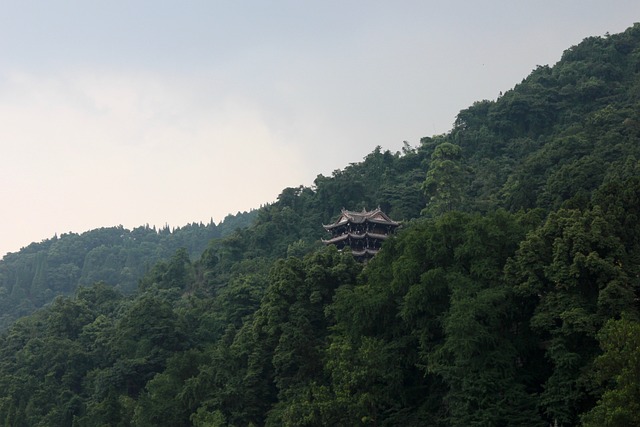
35,275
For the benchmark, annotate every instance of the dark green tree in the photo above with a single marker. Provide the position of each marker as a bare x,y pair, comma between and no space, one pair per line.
618,368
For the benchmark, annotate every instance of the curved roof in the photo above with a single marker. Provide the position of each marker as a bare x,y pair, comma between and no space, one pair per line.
364,252
374,216
356,236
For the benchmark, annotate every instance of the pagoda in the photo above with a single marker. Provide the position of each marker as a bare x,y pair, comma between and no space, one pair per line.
362,232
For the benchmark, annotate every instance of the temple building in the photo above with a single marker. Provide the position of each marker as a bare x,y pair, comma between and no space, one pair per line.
362,232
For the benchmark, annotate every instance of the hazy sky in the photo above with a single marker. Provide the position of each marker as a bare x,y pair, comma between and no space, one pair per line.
166,112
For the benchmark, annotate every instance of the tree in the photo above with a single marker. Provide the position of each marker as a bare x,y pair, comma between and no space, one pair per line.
573,273
445,177
618,369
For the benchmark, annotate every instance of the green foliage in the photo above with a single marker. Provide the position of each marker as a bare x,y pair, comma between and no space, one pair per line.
38,273
445,179
619,367
577,271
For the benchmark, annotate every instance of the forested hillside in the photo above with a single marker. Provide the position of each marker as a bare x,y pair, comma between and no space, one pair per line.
509,297
38,273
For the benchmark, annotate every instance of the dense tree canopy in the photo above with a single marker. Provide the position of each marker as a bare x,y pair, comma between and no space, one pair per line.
38,273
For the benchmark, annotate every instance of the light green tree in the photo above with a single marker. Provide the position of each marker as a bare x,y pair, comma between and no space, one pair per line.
443,186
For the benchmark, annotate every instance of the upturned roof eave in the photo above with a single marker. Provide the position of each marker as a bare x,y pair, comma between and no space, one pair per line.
354,236
371,220
364,252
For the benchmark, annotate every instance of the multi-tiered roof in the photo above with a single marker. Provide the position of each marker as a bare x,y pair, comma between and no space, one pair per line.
362,232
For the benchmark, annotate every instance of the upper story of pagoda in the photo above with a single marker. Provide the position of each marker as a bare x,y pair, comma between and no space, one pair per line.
363,232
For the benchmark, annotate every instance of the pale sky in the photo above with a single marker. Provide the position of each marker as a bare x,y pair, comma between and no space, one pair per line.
165,112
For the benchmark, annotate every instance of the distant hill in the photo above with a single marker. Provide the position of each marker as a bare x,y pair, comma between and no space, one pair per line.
35,275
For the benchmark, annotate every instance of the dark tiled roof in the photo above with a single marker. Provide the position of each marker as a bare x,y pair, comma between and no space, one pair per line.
356,236
374,216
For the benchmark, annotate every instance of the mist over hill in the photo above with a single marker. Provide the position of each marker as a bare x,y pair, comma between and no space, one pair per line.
508,297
